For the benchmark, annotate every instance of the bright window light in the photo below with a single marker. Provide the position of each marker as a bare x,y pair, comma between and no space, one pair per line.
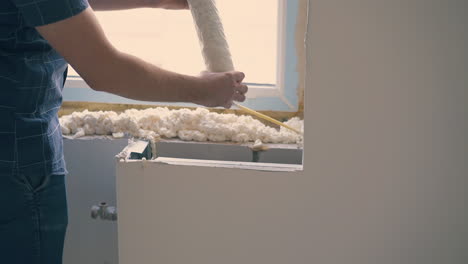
168,38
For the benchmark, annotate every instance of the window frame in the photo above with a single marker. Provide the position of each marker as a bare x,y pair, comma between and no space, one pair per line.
282,96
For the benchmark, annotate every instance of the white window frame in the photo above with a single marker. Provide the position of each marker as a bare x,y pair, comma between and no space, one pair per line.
280,97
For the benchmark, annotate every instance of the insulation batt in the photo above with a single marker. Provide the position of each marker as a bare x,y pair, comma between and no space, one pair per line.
189,125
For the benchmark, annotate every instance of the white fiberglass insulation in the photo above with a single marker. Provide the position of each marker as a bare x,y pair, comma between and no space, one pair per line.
189,125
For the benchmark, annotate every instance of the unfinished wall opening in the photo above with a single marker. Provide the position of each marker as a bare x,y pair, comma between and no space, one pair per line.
269,48
194,134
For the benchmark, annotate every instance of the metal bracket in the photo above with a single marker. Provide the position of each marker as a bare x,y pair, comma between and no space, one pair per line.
140,149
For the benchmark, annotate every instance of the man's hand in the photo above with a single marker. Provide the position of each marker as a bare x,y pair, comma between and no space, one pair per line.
221,89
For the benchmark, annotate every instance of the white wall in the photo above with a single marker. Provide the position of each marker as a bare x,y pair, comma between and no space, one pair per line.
386,144
385,157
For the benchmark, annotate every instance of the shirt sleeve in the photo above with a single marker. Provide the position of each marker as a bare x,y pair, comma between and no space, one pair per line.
43,12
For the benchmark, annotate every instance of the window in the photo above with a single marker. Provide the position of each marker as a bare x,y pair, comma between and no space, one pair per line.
261,35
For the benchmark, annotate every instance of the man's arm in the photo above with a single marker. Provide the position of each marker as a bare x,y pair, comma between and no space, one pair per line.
81,41
107,5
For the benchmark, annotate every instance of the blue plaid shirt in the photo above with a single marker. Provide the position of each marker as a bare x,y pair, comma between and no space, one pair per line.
32,75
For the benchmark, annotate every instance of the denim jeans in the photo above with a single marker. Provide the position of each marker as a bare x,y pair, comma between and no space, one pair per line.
33,218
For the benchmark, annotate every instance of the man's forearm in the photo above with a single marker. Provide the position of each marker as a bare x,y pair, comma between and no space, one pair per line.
105,68
131,77
82,42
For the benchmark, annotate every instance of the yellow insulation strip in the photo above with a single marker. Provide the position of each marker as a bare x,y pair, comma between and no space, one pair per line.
265,117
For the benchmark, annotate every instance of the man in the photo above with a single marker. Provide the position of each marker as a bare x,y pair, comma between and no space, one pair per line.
37,39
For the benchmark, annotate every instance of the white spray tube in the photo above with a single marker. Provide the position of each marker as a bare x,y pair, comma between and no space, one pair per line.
215,48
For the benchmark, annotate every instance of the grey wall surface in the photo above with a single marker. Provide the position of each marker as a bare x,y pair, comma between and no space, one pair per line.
387,132
91,180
